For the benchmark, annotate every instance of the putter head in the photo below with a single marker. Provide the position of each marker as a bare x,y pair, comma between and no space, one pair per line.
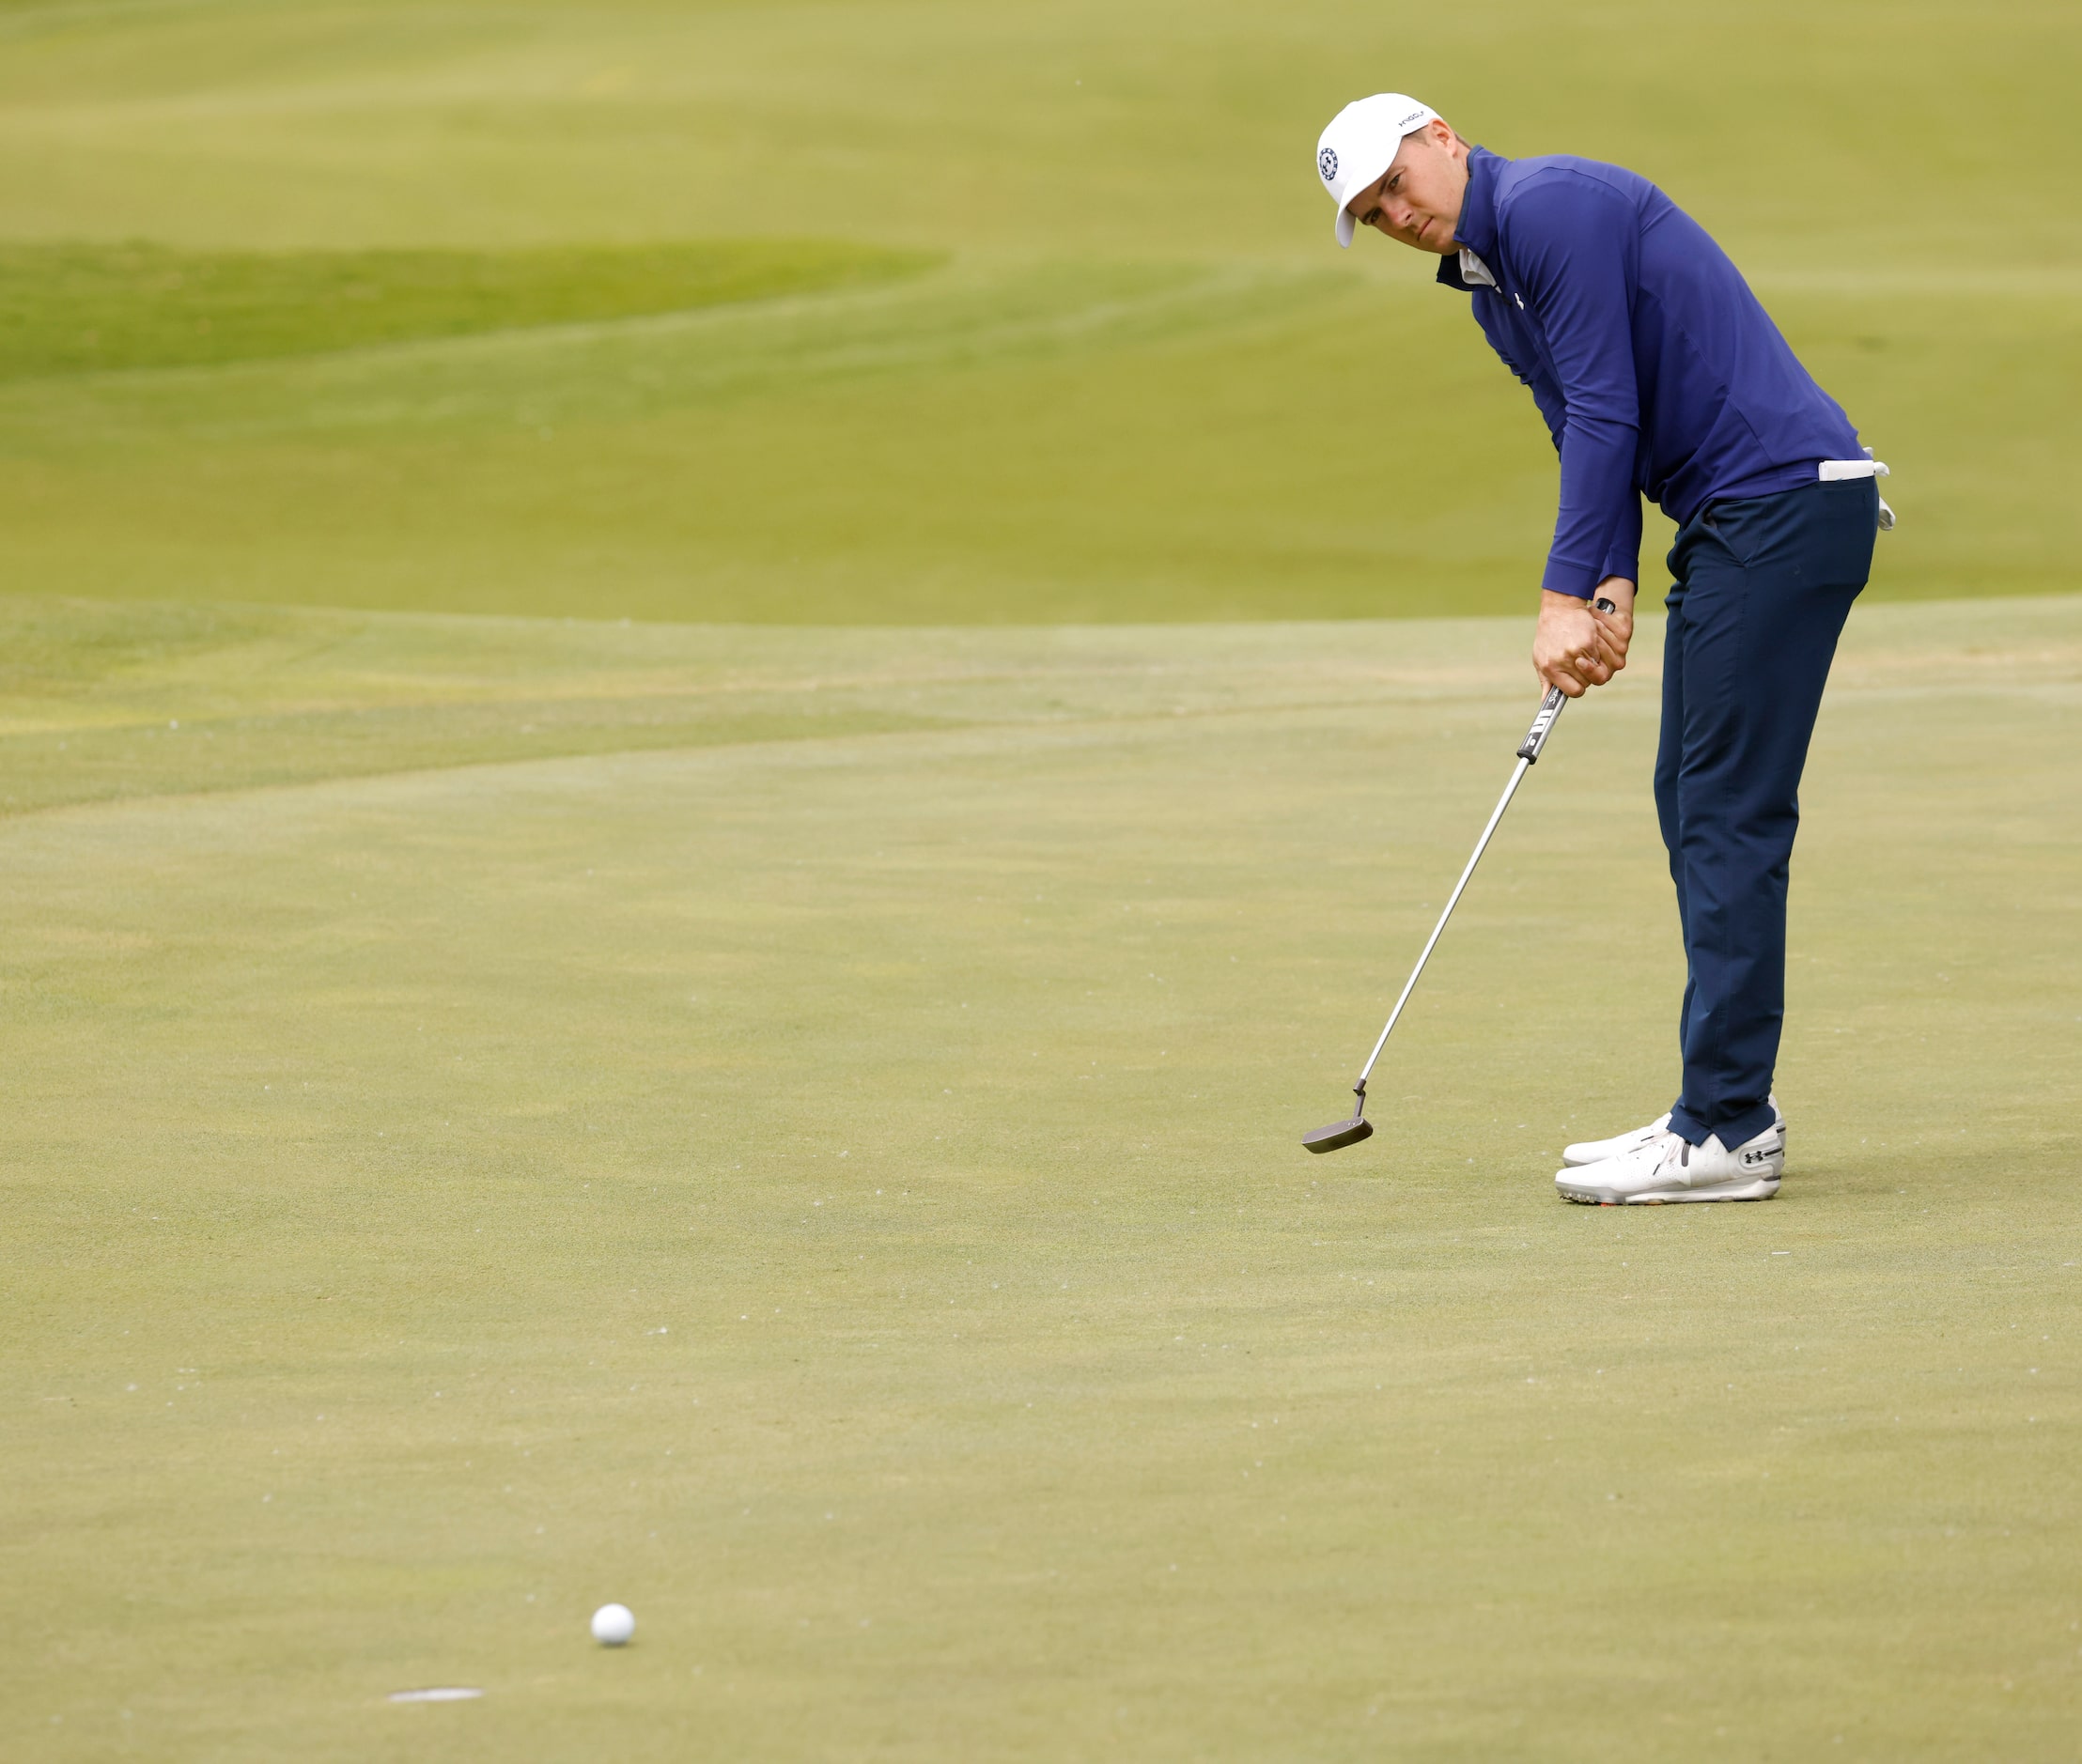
1339,1133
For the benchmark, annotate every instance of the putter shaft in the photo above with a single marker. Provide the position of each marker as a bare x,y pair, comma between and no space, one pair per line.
1529,754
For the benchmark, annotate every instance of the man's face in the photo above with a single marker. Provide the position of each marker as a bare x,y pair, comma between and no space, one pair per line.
1417,200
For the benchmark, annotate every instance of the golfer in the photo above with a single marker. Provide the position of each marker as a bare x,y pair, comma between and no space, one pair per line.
1659,374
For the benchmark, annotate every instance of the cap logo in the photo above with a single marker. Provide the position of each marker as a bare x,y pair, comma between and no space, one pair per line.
1327,161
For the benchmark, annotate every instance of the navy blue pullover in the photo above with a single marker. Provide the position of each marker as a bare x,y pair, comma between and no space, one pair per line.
1655,366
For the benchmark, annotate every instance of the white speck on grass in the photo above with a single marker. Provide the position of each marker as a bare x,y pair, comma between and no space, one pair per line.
440,1694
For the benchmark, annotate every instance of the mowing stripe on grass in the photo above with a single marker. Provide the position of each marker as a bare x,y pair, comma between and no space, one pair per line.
80,308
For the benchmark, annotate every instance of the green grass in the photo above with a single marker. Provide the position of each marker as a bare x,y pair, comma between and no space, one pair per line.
428,972
94,309
1141,385
796,1130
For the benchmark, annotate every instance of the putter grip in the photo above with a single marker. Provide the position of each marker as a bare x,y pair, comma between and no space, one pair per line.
1543,725
1550,708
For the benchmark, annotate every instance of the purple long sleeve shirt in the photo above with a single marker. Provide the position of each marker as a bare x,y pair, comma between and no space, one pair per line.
1656,369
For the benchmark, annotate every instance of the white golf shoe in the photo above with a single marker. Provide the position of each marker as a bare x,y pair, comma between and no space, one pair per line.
1666,1169
1597,1151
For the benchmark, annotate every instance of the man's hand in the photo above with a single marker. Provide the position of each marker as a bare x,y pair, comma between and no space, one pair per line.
1573,646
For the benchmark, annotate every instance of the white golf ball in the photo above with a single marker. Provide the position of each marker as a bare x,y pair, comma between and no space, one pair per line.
613,1624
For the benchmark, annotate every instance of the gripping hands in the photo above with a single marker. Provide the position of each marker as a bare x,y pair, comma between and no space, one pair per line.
1577,646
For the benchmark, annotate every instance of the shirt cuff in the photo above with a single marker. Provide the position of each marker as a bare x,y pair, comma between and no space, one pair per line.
1571,579
1624,564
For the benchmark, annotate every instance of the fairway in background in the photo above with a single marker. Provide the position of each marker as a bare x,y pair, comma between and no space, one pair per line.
94,309
1142,383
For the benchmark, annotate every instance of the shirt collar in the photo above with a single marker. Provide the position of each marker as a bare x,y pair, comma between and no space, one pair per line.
1476,229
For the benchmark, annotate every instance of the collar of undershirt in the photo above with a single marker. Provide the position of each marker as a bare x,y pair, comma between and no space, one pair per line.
1464,271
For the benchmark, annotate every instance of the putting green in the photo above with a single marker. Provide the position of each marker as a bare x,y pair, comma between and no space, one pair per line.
1142,383
797,1131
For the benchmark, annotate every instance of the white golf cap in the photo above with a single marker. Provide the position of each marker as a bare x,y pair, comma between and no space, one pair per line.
1360,144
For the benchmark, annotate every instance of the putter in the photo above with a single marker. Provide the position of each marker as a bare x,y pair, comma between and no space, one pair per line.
1356,1127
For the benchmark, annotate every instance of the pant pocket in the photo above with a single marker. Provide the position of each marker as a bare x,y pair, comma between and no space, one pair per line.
1841,541
1735,527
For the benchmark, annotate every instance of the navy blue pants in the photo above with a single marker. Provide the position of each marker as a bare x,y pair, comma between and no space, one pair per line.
1762,589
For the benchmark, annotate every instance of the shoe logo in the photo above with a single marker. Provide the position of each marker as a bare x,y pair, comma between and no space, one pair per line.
1327,163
